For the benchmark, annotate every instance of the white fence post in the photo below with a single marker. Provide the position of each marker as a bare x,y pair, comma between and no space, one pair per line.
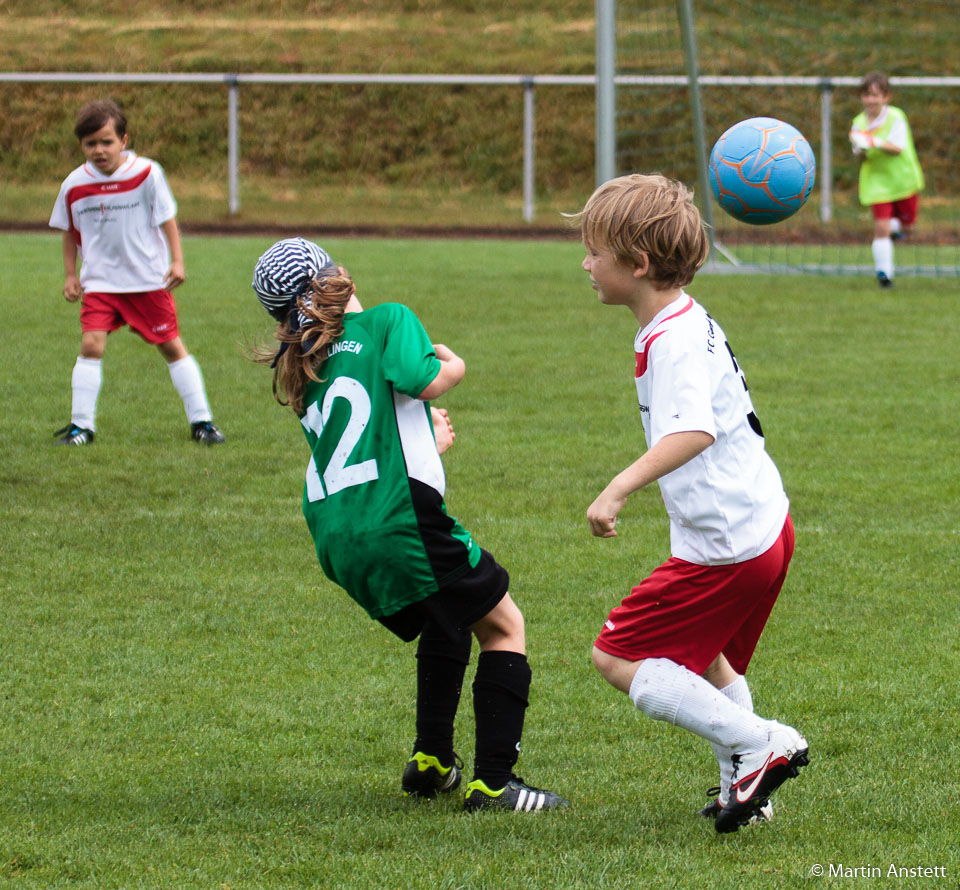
233,144
528,145
826,156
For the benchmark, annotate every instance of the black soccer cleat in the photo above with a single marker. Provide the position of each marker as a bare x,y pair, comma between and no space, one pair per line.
883,280
515,795
425,776
204,431
712,809
72,434
757,774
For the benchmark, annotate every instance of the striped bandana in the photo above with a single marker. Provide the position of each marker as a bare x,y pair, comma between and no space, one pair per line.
284,273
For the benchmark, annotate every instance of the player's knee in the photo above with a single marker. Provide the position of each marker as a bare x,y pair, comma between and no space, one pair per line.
618,672
92,346
602,662
502,627
173,350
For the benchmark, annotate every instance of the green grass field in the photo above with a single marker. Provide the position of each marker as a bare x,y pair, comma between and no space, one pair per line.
188,703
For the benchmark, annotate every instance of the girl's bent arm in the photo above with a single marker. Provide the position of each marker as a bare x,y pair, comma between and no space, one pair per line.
450,374
670,453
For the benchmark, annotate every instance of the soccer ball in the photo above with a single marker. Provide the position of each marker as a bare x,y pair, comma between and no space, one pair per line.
762,170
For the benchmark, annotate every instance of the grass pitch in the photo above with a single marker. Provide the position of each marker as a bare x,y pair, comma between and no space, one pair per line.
188,703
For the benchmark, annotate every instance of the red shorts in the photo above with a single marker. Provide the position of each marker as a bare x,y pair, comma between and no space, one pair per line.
905,210
691,613
152,314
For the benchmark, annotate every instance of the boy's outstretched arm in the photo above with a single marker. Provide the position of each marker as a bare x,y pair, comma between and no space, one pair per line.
71,283
450,374
175,275
667,455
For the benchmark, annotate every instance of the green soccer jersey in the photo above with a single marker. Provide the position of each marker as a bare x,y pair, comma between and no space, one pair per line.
373,497
886,177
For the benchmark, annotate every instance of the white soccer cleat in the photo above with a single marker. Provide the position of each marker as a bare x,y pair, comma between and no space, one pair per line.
757,774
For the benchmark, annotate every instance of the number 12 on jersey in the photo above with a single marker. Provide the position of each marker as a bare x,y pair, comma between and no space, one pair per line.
337,474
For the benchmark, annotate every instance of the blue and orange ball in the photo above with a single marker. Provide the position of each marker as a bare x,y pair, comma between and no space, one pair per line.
762,170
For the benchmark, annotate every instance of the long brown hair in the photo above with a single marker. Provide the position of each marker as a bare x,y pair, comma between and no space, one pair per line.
314,323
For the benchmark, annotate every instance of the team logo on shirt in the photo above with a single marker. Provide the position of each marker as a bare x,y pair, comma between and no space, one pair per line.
104,209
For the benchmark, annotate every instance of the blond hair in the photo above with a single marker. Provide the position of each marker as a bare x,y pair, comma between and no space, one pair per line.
304,344
647,214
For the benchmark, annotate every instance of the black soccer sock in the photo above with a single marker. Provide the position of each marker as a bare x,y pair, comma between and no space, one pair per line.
441,663
500,696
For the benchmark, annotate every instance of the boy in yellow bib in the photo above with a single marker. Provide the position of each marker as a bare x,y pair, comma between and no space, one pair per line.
890,174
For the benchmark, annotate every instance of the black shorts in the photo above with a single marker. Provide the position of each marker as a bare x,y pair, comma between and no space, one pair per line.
457,605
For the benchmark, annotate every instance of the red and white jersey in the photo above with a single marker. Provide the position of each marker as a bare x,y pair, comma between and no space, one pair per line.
116,221
727,504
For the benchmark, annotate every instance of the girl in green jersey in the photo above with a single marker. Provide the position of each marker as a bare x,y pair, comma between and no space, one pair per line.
360,382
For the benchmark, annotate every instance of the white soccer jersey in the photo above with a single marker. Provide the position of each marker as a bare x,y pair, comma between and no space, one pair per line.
727,504
116,222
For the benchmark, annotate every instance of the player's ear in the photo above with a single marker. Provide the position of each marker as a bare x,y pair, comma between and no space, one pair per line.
641,265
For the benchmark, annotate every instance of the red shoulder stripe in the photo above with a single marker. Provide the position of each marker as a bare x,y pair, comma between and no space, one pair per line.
79,192
642,357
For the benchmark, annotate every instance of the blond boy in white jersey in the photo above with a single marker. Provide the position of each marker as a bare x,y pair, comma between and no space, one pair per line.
680,643
118,215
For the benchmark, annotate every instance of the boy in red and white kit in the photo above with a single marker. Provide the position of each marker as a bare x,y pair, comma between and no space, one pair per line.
118,214
680,643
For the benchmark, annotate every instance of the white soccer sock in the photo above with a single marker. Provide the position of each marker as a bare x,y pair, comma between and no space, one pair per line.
86,380
895,226
188,381
738,692
883,256
665,690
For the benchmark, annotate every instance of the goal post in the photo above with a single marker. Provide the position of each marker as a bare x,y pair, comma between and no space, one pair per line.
606,66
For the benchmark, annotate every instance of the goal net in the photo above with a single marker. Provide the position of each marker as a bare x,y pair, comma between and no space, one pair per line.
800,62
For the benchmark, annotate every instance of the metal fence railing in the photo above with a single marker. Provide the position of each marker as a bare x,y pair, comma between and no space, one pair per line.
233,82
528,83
